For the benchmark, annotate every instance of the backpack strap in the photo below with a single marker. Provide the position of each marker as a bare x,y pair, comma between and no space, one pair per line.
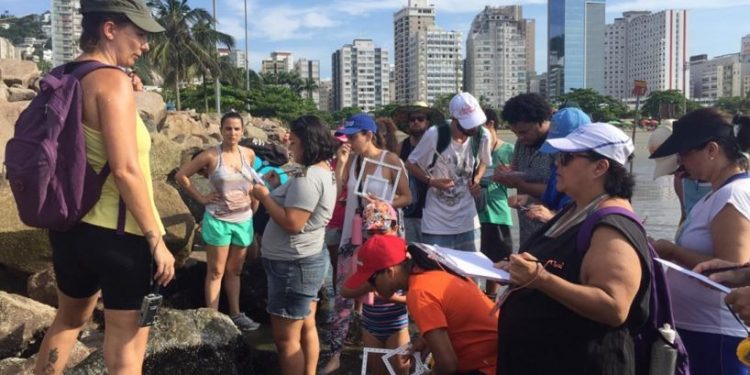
444,139
87,67
583,239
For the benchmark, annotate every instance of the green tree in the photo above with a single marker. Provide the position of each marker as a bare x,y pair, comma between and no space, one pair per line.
441,103
385,111
339,116
599,107
208,38
734,104
176,51
292,80
309,86
667,104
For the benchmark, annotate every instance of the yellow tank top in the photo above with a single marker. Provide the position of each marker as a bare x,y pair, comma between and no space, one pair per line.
104,213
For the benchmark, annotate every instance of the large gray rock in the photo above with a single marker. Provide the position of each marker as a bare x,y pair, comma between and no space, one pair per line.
256,133
3,92
181,123
25,366
187,342
152,109
42,286
177,219
17,94
23,322
165,156
18,72
22,248
8,115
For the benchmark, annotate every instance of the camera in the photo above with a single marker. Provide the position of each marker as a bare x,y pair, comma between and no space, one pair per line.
149,309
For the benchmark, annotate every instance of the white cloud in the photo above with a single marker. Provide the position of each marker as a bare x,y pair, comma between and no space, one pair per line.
317,20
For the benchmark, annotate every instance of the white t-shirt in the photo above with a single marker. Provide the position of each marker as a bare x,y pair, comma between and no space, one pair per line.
697,308
450,211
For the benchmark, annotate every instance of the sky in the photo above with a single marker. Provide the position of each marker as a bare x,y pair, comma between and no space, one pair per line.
314,29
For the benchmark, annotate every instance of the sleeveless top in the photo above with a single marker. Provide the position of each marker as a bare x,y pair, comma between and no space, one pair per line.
233,187
538,335
104,213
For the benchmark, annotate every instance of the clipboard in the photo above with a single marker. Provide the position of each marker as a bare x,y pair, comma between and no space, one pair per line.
465,263
700,277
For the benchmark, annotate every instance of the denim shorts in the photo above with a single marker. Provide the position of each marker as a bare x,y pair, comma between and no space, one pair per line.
294,284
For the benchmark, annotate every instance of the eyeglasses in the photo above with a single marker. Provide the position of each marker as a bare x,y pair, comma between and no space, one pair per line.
417,118
563,158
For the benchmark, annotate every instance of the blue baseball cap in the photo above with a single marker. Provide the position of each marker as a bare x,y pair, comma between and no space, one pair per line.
358,123
563,123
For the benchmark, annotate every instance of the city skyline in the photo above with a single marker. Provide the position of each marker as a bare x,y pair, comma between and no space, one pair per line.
314,29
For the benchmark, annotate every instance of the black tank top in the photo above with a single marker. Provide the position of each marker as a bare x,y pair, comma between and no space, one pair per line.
538,335
418,188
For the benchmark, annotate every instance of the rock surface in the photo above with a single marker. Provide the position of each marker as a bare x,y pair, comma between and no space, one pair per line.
23,322
198,341
9,113
22,248
152,109
20,72
17,94
178,221
25,366
42,286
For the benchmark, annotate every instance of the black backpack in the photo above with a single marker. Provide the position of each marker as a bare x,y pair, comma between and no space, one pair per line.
271,153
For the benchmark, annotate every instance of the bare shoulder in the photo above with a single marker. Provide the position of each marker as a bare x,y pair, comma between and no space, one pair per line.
107,80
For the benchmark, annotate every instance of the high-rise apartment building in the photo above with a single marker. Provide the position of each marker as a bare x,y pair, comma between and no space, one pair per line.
326,96
575,56
745,48
436,65
418,15
647,46
360,76
309,70
719,77
279,62
66,30
496,54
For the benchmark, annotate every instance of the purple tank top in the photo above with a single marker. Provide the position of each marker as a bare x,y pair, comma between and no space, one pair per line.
234,189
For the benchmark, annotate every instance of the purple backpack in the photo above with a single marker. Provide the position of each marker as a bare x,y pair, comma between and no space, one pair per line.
660,302
52,182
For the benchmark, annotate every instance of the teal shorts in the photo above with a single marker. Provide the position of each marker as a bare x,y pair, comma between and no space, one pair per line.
223,233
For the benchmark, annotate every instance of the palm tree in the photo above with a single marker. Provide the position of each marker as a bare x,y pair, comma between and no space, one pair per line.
206,36
309,86
185,45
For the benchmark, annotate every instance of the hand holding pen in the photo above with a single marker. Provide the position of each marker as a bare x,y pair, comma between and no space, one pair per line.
725,272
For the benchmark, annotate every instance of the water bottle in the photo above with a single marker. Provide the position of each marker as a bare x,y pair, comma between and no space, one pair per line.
663,354
357,229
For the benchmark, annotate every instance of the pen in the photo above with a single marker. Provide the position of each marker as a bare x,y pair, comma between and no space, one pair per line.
724,269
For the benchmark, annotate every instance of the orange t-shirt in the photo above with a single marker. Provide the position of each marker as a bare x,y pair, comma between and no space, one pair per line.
437,299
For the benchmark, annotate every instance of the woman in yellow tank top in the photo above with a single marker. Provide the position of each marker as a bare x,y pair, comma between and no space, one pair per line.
94,255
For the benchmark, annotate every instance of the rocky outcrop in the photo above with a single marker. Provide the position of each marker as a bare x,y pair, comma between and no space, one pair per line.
22,248
20,72
23,322
25,366
165,156
42,286
178,221
187,342
3,92
152,109
17,94
8,115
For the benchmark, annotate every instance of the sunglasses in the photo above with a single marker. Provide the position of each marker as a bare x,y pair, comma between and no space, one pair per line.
563,158
417,118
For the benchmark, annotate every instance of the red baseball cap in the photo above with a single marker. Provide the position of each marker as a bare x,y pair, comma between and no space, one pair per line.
378,252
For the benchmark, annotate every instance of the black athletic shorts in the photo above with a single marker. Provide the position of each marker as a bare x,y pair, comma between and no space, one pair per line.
496,241
87,258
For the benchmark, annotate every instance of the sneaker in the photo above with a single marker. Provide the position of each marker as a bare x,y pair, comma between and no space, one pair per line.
244,323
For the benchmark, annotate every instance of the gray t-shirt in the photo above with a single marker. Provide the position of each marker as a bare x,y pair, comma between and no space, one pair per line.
314,192
536,167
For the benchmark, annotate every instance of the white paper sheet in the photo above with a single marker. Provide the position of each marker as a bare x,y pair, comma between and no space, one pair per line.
467,263
702,278
419,366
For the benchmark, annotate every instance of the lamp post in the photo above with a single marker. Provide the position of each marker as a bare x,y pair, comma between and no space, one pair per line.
217,91
247,65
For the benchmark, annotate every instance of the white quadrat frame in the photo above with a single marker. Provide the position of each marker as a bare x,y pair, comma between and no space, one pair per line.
372,180
419,366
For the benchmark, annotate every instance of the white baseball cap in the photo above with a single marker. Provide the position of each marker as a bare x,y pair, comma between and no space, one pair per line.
667,164
465,108
604,139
